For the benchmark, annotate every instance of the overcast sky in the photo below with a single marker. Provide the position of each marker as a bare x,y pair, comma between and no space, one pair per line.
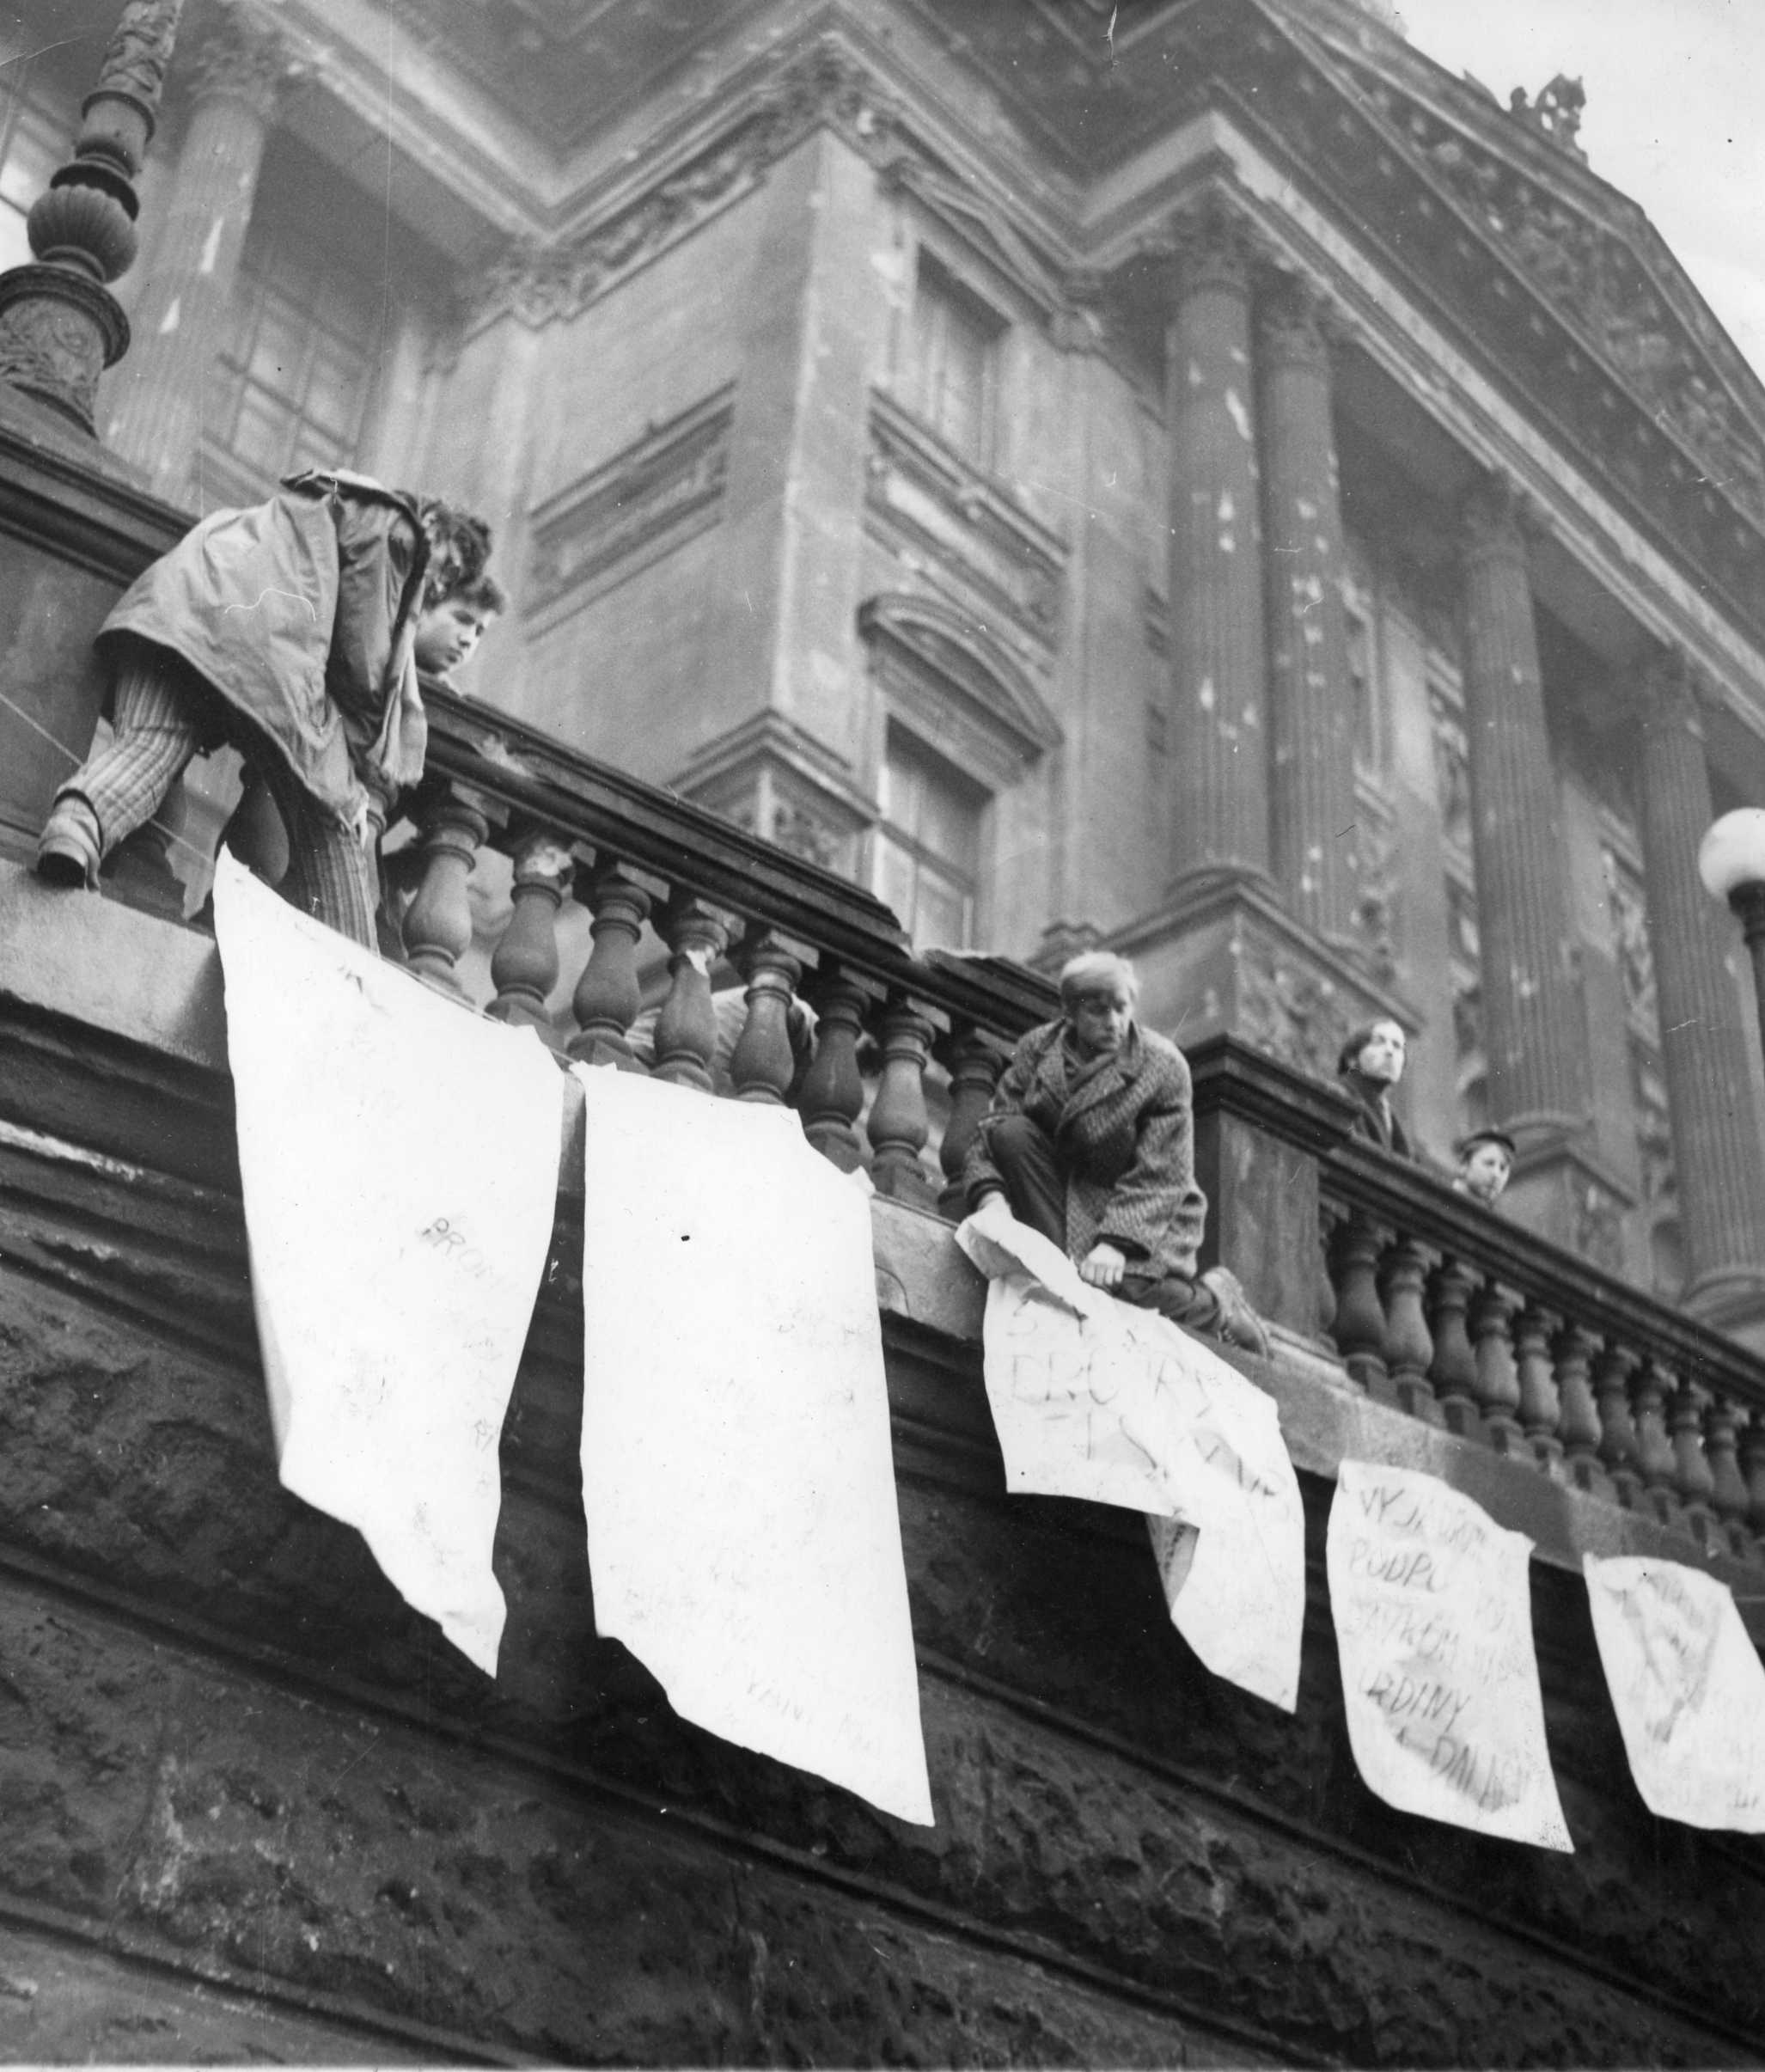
1675,117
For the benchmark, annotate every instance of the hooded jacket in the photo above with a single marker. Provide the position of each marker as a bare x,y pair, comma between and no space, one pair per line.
1122,1127
301,613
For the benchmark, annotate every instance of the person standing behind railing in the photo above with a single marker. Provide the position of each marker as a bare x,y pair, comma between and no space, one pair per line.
1369,1064
1091,1141
293,629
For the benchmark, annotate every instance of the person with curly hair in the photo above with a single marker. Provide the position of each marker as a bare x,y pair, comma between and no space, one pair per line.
293,629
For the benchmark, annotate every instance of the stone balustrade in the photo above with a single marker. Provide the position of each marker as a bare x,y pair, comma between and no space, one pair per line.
1423,1300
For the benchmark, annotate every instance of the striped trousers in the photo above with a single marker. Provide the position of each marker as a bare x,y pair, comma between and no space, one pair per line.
162,715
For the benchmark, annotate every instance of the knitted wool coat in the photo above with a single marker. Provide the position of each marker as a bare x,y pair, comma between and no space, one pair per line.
1122,1127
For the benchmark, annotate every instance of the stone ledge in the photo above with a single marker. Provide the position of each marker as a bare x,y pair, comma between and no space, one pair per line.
140,979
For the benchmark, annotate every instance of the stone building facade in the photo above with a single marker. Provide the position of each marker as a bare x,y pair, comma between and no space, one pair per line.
1212,483
1185,474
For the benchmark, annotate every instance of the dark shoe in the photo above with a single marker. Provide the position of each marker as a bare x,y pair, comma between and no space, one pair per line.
68,852
1239,1324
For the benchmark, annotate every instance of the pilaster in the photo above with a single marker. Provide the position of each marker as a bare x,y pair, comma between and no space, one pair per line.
1709,1093
1218,735
1310,711
234,74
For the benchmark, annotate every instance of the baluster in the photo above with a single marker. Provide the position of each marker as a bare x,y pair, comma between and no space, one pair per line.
1575,1350
1540,1407
685,1029
1728,1489
898,1126
1409,1344
1356,1244
1329,1217
1498,1383
1692,1475
1619,1452
832,1089
975,1060
1453,1371
524,965
763,1064
254,831
1752,1461
608,996
1655,1459
439,924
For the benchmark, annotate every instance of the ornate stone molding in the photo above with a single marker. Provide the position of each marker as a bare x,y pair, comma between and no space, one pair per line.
644,503
543,281
960,527
59,327
240,55
983,227
1596,282
959,687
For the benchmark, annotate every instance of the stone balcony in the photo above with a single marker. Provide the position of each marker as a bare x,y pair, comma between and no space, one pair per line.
238,1777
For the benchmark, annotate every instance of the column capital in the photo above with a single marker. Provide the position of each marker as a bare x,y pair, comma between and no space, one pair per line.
1210,246
1081,322
240,55
1296,325
1673,695
1495,515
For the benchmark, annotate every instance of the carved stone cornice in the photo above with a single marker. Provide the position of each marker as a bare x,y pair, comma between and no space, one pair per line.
238,54
546,280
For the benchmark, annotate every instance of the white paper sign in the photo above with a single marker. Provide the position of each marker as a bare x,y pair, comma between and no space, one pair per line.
999,1246
1121,1407
399,1162
1433,1624
738,1473
1688,1688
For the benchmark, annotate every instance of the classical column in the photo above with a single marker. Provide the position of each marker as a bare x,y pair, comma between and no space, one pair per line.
1218,750
1531,1016
232,77
1715,1133
60,326
1310,705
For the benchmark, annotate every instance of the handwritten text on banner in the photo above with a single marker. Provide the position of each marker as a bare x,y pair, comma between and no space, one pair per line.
1434,1629
1688,1689
1121,1407
400,1165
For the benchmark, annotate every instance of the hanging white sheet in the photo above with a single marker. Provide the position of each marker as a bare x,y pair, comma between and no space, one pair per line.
1688,1687
1093,1398
400,1163
1433,1623
738,1473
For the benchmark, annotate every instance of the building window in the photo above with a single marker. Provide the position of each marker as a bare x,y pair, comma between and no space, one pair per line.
928,846
956,353
36,133
294,376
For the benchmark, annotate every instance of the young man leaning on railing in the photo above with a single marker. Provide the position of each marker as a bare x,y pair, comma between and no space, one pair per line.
294,630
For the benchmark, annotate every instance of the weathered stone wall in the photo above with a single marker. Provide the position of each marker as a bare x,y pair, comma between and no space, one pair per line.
247,1797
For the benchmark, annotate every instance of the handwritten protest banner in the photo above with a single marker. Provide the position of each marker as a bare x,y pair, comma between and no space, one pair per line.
1118,1406
399,1168
1433,1624
1688,1688
737,1472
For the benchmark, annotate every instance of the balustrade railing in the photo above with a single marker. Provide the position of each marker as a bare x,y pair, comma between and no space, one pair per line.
1433,1302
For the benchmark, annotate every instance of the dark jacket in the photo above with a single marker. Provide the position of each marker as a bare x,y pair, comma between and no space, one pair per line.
302,612
1375,1122
1122,1126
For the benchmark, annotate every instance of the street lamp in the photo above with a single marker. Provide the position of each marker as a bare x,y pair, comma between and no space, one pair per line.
1732,863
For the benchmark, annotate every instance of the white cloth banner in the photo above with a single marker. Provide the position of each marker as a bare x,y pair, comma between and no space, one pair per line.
737,1472
1118,1406
1434,1620
400,1163
1688,1688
